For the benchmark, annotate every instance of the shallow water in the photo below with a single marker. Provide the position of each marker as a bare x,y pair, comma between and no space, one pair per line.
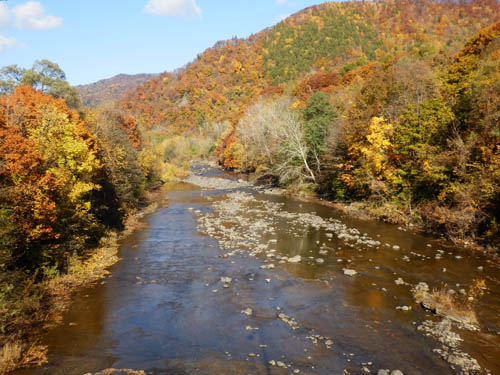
164,308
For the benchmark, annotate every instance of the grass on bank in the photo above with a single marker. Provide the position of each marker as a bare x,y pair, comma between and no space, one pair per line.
455,306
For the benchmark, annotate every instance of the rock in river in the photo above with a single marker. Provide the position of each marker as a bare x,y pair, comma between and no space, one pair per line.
295,259
267,267
349,272
247,311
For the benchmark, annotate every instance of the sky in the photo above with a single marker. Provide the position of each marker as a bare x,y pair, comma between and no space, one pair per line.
97,39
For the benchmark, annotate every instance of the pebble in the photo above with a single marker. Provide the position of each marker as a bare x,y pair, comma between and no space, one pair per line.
295,259
399,281
404,308
267,266
349,272
248,311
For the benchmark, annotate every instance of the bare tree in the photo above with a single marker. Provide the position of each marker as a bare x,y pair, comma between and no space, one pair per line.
258,131
293,151
274,139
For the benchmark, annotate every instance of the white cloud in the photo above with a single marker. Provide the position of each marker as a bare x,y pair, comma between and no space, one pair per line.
280,2
4,15
6,42
175,8
31,15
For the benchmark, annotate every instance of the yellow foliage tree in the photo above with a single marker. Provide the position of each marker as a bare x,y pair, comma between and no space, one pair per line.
374,151
69,158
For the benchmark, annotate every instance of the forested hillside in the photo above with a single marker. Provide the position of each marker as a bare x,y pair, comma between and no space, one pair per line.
332,37
390,104
111,89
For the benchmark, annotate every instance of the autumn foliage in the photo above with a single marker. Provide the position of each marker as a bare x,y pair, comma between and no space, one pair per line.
59,184
411,90
322,81
48,165
384,93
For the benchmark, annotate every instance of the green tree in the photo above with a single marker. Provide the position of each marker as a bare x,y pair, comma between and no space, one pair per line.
419,138
318,118
45,76
10,77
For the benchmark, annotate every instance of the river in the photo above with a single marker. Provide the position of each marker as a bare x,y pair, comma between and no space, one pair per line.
214,286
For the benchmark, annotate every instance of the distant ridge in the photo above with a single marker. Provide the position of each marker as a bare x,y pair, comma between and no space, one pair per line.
110,89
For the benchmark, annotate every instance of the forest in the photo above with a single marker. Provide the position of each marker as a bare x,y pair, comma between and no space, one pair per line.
391,108
388,107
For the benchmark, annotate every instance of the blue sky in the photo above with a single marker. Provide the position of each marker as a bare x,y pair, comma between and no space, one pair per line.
96,39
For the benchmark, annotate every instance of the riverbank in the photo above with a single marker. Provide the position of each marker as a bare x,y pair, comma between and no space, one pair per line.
388,213
28,312
364,211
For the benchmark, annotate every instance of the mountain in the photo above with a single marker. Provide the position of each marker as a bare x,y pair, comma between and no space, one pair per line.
332,37
107,90
389,104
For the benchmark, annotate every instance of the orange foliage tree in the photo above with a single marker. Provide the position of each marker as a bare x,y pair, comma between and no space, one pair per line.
47,168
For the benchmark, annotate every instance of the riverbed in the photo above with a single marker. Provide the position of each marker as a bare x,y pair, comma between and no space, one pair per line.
234,279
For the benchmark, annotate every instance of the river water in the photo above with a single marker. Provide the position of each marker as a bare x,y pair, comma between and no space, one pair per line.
165,310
